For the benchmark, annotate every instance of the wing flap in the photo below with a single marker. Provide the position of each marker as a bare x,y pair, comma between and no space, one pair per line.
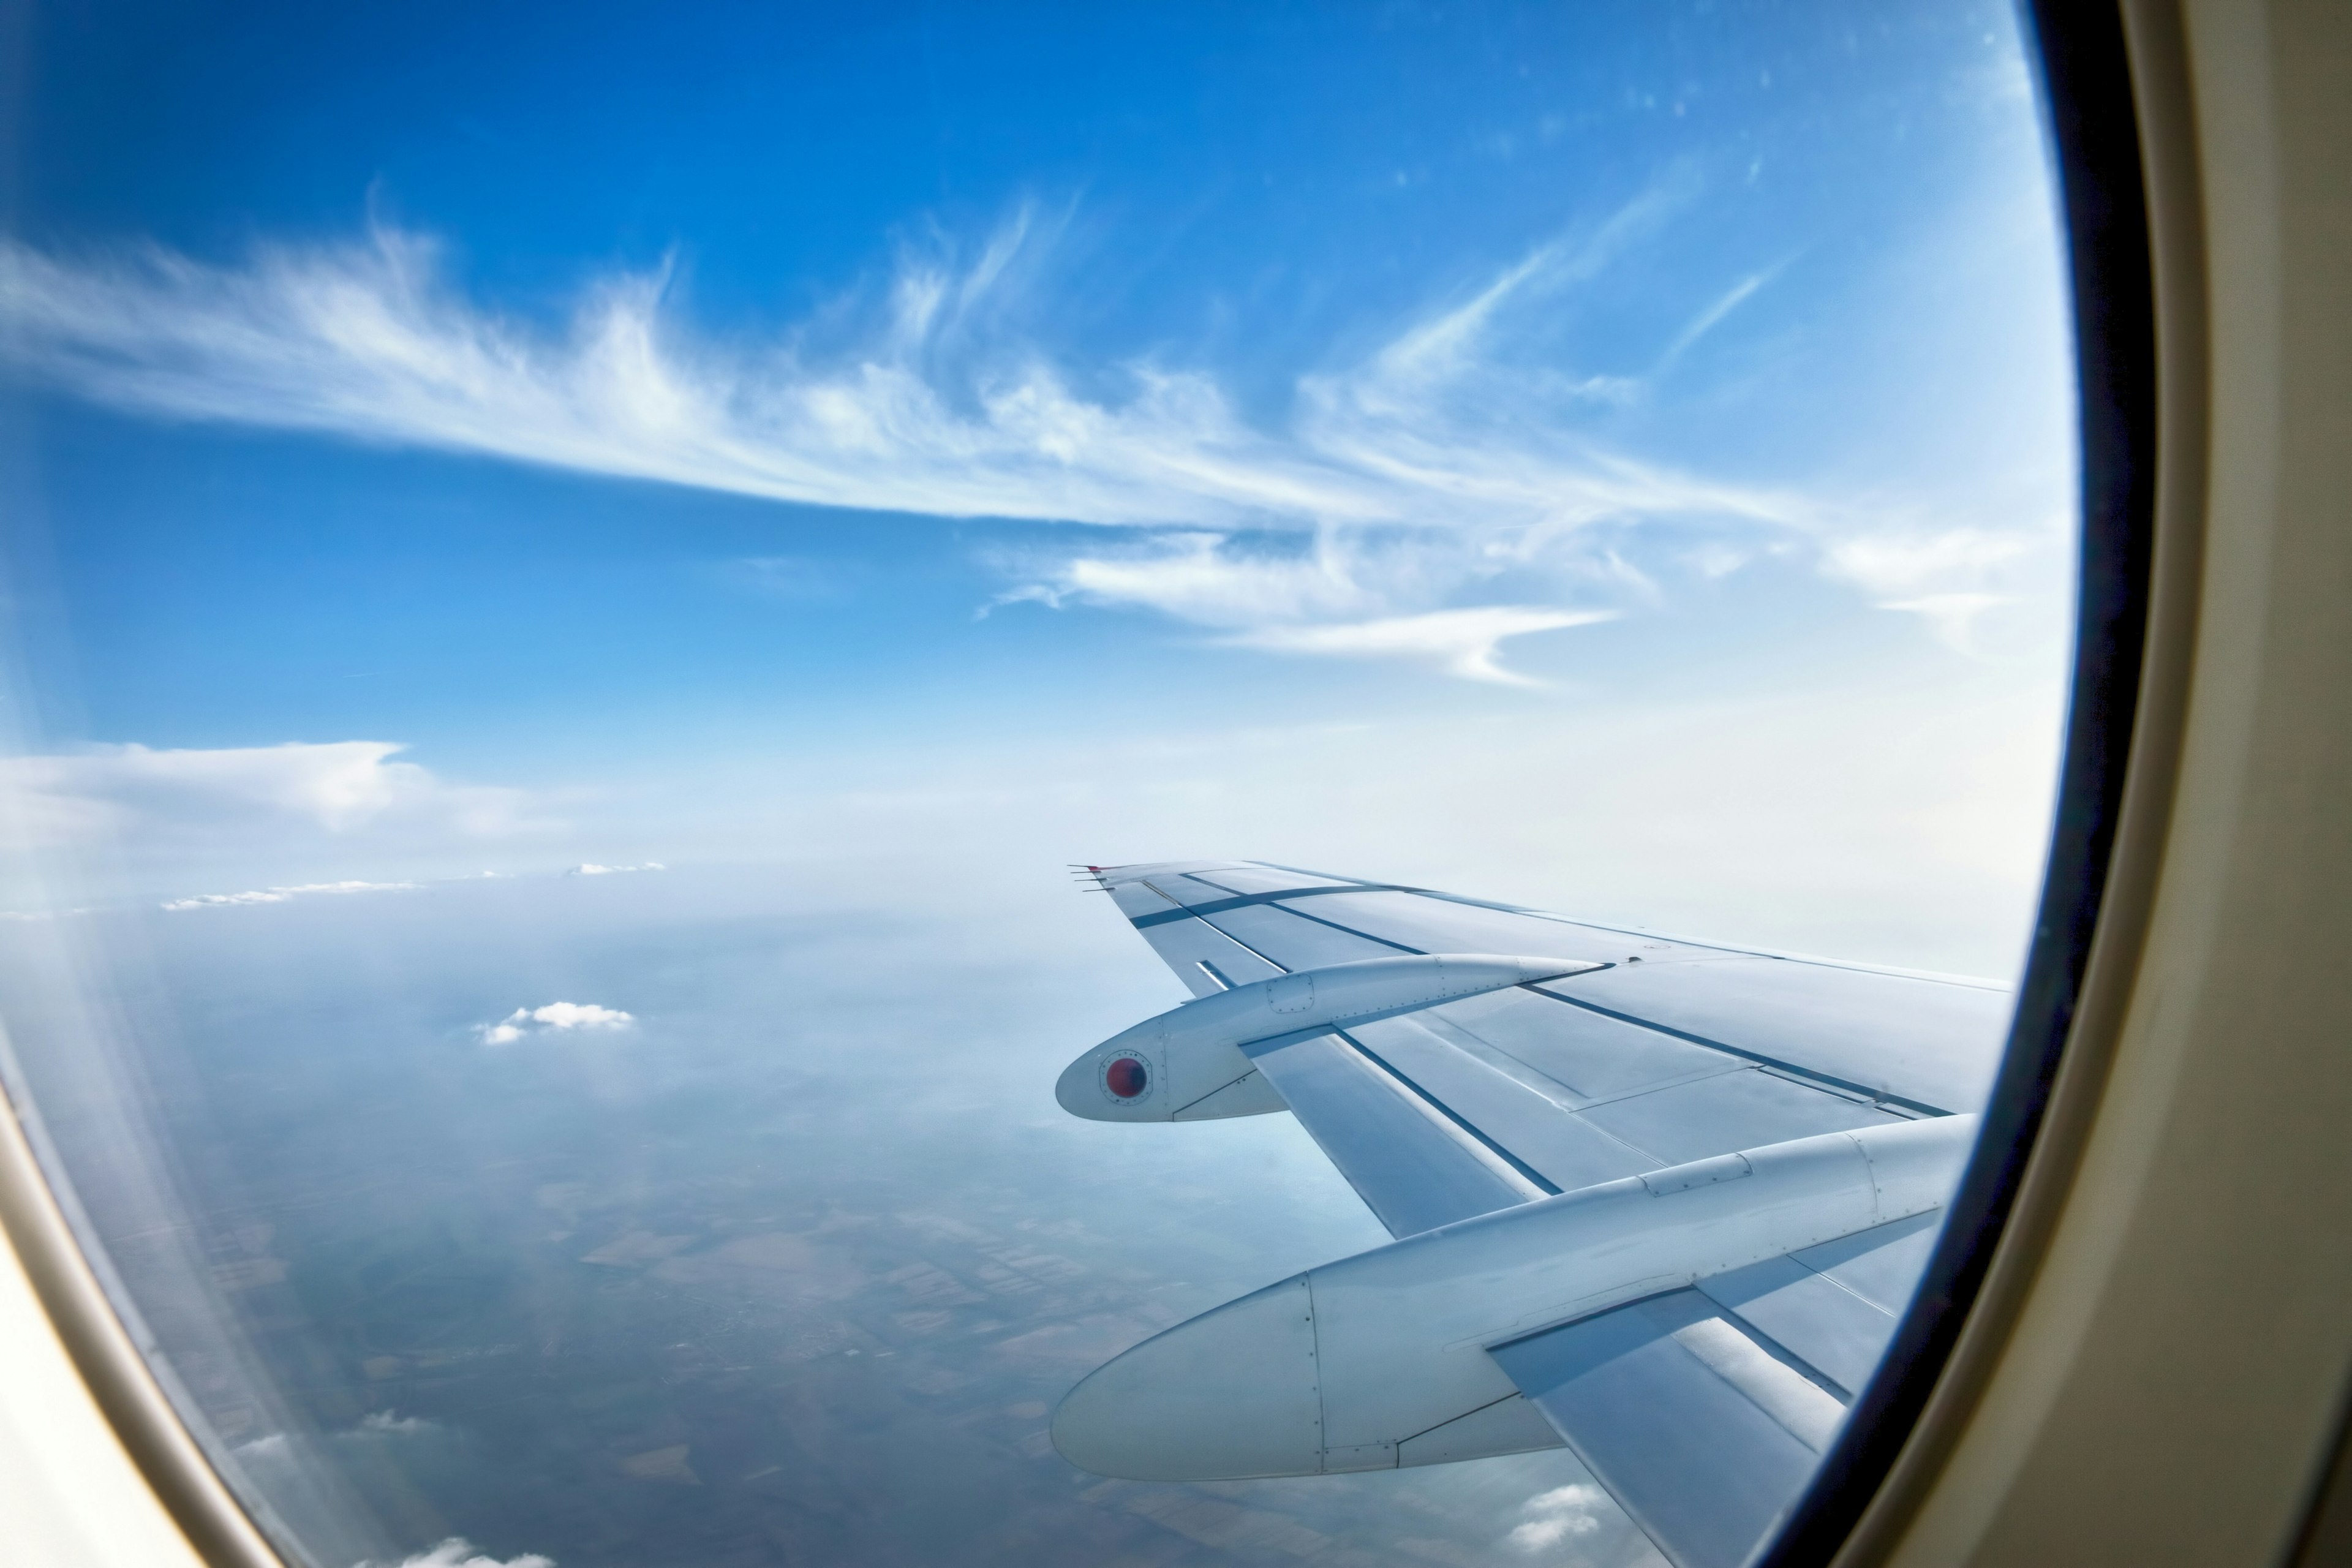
1835,1331
1703,1411
1299,940
1553,1086
1566,1151
1414,1166
1929,1044
1699,1431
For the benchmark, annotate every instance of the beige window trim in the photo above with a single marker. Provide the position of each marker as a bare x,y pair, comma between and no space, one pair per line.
97,1469
2157,1370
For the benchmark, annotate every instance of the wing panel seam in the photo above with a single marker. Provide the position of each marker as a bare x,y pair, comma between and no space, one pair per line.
1873,1096
1239,900
1351,931
1527,1172
1245,946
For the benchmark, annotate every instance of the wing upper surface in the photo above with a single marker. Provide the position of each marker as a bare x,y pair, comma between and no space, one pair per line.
1674,1051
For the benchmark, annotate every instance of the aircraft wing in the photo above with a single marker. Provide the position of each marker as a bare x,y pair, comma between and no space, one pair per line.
1660,1200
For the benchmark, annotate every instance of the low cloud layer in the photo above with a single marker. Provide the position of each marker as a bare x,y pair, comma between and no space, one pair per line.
280,895
556,1017
335,788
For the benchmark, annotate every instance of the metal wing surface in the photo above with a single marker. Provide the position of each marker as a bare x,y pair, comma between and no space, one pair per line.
1668,1051
1677,1193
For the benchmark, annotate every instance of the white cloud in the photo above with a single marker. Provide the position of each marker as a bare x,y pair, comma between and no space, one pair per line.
1950,577
1194,576
590,868
1559,1514
280,895
1954,616
1891,561
458,1552
554,1018
923,395
1328,601
931,409
580,1016
1460,642
1208,580
336,787
391,1421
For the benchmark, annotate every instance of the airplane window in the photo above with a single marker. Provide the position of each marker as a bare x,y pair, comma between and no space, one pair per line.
666,668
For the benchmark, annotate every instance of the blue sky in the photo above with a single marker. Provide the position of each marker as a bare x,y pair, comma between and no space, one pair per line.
1395,437
828,469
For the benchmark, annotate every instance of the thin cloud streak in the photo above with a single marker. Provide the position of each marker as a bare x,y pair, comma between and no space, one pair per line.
280,895
1706,320
1197,577
1462,642
1337,600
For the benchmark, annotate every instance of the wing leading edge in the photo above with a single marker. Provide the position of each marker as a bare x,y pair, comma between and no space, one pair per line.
1596,1066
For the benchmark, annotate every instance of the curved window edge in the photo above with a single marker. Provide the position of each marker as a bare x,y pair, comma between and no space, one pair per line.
2131,222
103,1347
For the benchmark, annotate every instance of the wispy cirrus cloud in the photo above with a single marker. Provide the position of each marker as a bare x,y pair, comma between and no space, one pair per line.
1416,464
927,411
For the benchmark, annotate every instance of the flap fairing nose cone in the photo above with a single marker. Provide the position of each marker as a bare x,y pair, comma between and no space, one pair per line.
1231,1395
1153,1071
